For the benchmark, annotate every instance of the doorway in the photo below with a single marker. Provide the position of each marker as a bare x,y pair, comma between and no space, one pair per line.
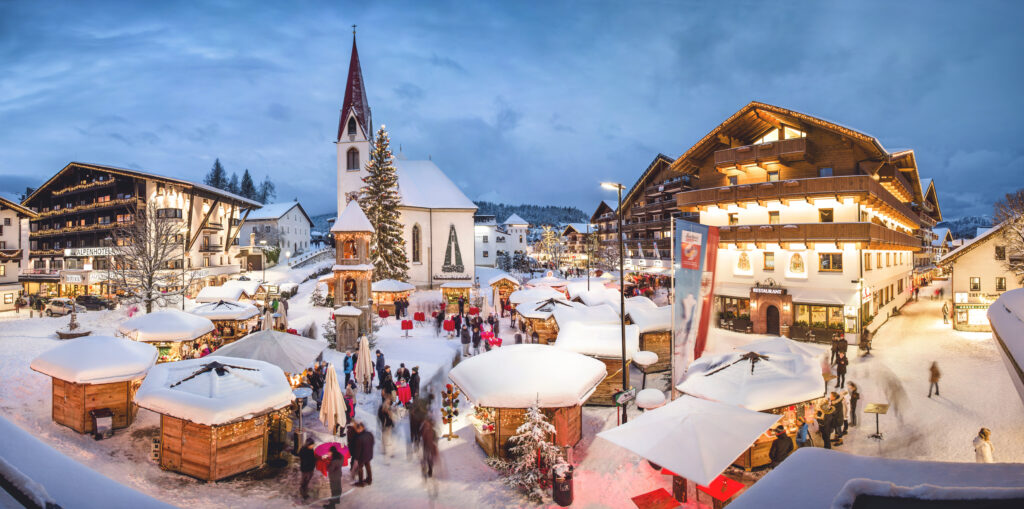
772,319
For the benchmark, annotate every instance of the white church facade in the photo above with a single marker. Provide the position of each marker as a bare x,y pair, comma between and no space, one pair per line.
436,216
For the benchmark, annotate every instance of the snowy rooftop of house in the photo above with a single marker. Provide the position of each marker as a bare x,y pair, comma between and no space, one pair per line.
214,391
392,286
96,360
515,220
1006,315
651,319
219,293
226,310
962,245
579,227
423,184
775,380
250,287
534,295
839,476
348,311
352,219
165,325
518,376
503,277
598,339
273,211
289,352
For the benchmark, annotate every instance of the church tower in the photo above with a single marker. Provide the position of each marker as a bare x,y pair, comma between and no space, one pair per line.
355,132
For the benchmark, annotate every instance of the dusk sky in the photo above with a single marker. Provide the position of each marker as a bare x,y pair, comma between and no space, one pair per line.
519,103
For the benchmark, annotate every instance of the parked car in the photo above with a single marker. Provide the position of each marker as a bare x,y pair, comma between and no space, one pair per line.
93,303
60,307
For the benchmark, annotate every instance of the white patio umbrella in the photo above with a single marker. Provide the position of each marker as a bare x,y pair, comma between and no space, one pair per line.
694,438
332,408
364,366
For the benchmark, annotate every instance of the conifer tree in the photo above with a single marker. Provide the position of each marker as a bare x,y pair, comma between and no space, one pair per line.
232,185
532,457
217,177
267,191
247,189
380,200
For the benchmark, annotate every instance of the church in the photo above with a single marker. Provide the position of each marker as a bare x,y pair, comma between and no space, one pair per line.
436,216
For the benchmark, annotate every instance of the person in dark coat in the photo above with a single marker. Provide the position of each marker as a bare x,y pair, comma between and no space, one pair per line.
387,383
457,320
841,363
519,338
835,351
782,446
837,417
365,440
379,365
464,337
933,378
462,304
438,324
402,373
824,418
854,398
334,475
842,344
414,382
419,411
428,438
307,465
352,438
476,338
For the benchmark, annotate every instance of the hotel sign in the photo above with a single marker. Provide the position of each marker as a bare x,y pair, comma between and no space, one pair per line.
90,251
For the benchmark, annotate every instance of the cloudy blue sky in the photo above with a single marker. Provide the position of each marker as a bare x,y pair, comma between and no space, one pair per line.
518,101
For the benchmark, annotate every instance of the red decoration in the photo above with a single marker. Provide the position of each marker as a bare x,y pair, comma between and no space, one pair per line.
406,324
419,316
722,488
433,314
474,311
449,325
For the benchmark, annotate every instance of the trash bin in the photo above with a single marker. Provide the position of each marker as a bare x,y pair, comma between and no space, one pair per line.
102,423
561,486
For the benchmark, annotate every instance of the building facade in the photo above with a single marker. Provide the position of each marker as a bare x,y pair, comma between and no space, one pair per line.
14,220
605,224
817,222
285,225
574,240
81,207
647,212
978,277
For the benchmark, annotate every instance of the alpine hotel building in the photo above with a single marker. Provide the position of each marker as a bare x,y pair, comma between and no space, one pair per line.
818,222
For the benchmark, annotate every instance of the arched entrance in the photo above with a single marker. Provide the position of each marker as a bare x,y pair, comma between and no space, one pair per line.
772,320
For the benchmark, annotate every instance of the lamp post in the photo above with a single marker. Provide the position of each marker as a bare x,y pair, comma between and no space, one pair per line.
622,288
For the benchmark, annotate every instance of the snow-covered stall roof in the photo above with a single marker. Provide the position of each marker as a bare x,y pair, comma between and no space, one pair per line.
503,277
359,267
586,314
598,339
96,360
783,345
250,287
517,376
457,284
598,295
288,287
352,219
391,286
165,325
1006,315
422,184
226,310
548,280
214,391
534,295
544,309
348,311
46,475
287,351
651,319
787,485
219,293
639,302
773,381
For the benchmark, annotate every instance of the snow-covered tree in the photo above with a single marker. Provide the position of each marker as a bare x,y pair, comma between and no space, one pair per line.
330,333
1010,212
551,245
379,199
217,177
317,298
532,456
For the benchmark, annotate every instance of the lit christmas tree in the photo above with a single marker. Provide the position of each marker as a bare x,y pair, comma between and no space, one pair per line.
380,200
532,456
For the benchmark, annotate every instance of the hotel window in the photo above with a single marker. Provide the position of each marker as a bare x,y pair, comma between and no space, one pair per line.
830,262
773,217
206,261
1000,284
878,260
899,286
769,261
773,176
824,172
733,180
825,215
1000,252
7,221
975,284
8,298
485,239
867,261
734,218
888,261
3,270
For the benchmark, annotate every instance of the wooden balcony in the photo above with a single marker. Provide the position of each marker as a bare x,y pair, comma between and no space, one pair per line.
867,235
793,149
862,188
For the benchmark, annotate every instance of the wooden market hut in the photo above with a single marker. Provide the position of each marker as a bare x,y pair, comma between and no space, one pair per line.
232,320
452,290
218,416
386,291
506,381
502,287
220,293
539,318
252,290
655,325
790,385
95,373
601,341
175,333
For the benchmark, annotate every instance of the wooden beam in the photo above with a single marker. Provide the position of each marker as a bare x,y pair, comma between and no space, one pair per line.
228,238
206,218
239,229
188,226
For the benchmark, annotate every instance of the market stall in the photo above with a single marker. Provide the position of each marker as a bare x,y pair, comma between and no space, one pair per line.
601,341
95,373
251,289
451,291
549,281
502,287
506,381
176,334
386,291
782,384
655,325
218,416
219,293
232,320
539,318
293,354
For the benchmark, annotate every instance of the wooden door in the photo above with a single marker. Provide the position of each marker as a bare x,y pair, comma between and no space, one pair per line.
772,319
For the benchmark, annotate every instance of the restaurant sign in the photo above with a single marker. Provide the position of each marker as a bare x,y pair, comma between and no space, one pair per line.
769,291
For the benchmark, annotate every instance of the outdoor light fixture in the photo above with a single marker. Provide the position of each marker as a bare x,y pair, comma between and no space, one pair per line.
615,186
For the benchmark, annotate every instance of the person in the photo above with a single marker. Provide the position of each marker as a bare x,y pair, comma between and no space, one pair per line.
307,465
835,351
417,414
854,398
352,434
366,441
465,341
462,304
350,365
945,312
781,447
414,382
476,338
845,398
933,378
841,363
836,425
824,418
917,293
402,373
438,324
983,446
519,338
387,421
942,293
803,433
17,306
496,327
387,382
334,475
379,366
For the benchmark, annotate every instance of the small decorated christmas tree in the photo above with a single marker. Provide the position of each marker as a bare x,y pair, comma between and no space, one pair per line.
532,456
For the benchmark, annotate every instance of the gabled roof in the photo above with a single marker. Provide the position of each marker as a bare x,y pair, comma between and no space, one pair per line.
5,203
422,184
930,195
602,208
514,219
646,175
355,97
273,211
578,228
969,244
352,219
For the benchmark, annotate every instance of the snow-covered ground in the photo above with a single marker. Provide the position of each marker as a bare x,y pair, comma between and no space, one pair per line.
976,392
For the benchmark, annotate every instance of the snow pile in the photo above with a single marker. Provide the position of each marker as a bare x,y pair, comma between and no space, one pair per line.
392,286
645,358
352,219
847,497
598,339
96,360
214,391
589,314
250,288
288,287
219,293
517,376
165,325
648,399
226,310
534,295
287,351
773,381
654,319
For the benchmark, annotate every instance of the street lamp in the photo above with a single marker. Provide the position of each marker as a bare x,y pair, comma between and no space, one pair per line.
622,288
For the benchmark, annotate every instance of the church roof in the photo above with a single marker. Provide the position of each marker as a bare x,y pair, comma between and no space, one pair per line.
422,184
516,220
355,96
352,219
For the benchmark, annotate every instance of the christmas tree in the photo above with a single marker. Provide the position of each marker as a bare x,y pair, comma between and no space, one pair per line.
330,333
380,200
317,298
533,456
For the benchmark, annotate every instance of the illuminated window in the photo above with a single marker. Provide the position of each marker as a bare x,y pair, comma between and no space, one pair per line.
348,250
769,261
830,262
733,180
1000,252
975,284
773,217
768,137
773,176
1000,284
825,215
789,133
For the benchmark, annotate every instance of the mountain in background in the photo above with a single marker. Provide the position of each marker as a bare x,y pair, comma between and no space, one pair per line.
535,214
966,226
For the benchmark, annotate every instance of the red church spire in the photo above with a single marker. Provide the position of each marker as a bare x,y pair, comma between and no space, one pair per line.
355,96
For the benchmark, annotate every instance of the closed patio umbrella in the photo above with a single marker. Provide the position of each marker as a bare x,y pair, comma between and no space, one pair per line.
332,408
364,366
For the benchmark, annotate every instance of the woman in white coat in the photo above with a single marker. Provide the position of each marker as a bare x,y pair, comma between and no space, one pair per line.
983,446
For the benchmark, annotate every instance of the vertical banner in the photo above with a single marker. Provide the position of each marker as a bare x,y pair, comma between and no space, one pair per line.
694,251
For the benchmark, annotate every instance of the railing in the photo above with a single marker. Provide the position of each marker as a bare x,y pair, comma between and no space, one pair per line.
210,248
782,150
82,187
41,272
80,229
210,225
818,232
92,206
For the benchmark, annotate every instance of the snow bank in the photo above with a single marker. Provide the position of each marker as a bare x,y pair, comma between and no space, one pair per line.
287,351
226,310
245,389
219,293
96,360
774,381
598,339
1006,315
651,319
517,376
392,285
165,325
534,295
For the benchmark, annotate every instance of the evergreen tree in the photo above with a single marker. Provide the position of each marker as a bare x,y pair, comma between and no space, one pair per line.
317,298
379,200
217,177
267,191
232,185
247,189
532,457
330,333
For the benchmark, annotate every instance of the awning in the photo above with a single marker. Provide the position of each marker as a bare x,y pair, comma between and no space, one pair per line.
732,290
826,296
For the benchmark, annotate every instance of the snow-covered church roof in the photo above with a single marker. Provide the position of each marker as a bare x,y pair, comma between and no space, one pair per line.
352,219
422,184
514,219
96,360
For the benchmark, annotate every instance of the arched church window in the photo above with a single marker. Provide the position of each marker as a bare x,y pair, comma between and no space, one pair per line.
416,243
352,159
352,126
348,250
